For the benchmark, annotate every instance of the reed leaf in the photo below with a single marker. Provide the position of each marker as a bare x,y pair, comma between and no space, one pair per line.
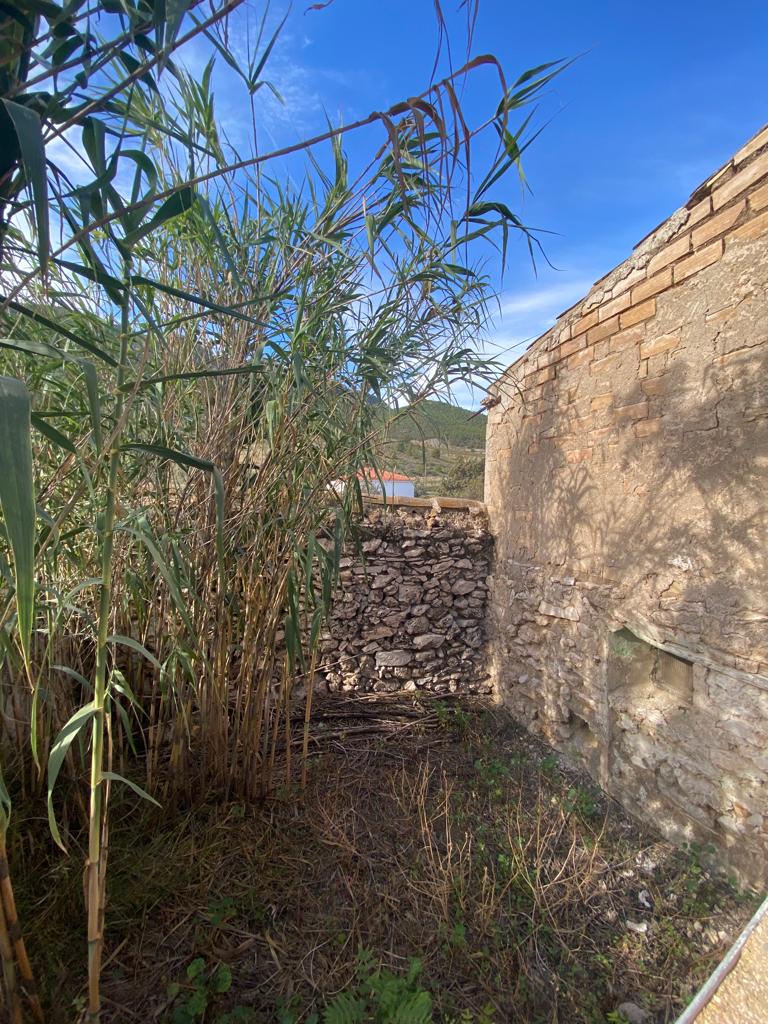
17,499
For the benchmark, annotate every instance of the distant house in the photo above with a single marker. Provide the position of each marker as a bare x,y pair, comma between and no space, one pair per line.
391,485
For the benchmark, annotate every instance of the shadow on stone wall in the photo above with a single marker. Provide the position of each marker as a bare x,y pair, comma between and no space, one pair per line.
661,529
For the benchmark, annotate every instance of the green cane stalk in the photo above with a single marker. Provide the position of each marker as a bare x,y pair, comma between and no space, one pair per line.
98,803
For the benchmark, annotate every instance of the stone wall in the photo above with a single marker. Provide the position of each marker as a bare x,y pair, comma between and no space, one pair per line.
626,489
411,610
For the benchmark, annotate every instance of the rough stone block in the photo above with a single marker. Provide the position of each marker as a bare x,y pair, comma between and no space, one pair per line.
393,659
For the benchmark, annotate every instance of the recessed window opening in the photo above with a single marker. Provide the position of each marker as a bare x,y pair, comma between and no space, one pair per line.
639,666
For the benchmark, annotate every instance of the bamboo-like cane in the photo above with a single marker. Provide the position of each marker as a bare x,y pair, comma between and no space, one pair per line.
307,717
96,864
9,972
11,923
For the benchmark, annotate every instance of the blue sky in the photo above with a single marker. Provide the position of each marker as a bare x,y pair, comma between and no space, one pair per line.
662,94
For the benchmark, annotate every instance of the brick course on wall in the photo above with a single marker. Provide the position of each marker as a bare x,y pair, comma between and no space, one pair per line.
626,489
410,612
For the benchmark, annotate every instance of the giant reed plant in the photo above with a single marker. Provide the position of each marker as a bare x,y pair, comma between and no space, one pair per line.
190,367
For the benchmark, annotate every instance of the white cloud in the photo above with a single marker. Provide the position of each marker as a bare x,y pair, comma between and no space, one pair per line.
524,315
303,102
546,300
67,153
521,318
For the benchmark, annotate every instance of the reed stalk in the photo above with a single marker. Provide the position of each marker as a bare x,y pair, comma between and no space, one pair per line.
95,869
200,360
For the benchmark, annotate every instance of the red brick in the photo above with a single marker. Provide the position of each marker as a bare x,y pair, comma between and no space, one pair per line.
652,286
752,229
755,143
579,455
604,365
579,358
614,306
574,345
699,212
654,386
604,330
662,343
739,182
633,277
758,199
703,258
647,427
602,401
643,311
671,252
600,433
626,339
636,411
582,325
718,225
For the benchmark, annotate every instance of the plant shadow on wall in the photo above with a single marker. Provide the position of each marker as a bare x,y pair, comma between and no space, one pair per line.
647,512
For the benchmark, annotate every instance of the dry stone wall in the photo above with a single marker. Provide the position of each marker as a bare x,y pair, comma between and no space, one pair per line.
410,613
626,489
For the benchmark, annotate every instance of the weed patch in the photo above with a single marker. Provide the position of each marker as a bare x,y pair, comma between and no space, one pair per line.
455,872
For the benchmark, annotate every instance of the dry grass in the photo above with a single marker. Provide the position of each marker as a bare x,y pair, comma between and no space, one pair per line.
441,832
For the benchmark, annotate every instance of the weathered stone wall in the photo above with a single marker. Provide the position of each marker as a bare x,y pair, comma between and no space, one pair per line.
626,489
411,610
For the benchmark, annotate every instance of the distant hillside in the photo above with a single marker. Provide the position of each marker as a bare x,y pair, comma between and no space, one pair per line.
441,447
443,422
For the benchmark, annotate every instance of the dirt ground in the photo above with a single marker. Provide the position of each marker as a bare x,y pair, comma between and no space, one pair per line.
441,865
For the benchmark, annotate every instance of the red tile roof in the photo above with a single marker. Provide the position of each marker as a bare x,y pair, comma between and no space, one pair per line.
371,474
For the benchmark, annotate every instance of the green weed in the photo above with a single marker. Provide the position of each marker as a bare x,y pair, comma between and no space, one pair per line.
192,1001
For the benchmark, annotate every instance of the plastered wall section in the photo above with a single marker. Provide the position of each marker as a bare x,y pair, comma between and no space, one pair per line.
626,485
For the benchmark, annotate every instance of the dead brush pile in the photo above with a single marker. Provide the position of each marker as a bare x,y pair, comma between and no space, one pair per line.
441,866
